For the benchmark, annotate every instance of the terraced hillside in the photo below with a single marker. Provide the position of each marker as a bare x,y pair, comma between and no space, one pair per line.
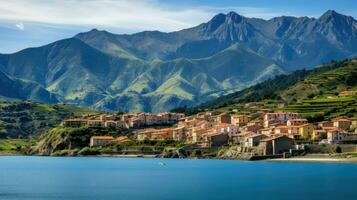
325,108
327,84
315,93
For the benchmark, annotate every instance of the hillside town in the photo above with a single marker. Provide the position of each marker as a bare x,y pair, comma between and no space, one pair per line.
266,134
125,121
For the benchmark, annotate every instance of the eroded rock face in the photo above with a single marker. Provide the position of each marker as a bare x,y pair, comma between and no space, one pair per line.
62,138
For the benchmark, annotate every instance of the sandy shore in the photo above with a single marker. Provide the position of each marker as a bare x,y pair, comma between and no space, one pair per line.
316,158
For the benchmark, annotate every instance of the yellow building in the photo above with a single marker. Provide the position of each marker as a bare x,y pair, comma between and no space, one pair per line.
306,131
342,123
239,120
297,132
319,135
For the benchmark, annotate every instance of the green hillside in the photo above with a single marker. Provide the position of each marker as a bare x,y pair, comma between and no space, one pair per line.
325,108
315,93
20,119
326,84
113,82
15,146
15,88
186,82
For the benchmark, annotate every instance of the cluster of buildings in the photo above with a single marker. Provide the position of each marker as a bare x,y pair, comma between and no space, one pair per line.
269,133
205,129
337,131
265,134
128,120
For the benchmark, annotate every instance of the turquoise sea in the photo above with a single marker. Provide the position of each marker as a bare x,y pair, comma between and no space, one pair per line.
90,178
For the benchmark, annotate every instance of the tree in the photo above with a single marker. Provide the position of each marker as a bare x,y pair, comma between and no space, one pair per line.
351,79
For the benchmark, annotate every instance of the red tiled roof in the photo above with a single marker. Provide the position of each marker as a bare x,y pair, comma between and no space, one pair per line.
272,137
341,120
102,137
222,125
121,138
329,128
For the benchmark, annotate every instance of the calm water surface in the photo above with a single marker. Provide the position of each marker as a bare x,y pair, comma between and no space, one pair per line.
140,179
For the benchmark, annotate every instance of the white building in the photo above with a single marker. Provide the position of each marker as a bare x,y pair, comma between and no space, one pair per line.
281,118
230,129
100,140
338,137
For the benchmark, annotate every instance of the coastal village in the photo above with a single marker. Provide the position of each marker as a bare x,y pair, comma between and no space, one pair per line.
268,134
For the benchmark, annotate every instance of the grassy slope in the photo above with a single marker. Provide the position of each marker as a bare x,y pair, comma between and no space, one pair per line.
23,89
325,108
190,81
14,146
326,84
23,119
317,96
111,80
303,90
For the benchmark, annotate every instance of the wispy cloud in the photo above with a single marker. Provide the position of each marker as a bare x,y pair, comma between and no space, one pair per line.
121,14
20,26
145,14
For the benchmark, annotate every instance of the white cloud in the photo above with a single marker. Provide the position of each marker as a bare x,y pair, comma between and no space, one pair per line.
119,14
20,26
136,15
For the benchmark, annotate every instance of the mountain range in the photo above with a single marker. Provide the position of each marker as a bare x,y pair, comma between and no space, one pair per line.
157,71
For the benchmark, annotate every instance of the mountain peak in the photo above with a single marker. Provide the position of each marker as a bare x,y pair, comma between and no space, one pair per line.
216,21
234,17
94,30
93,33
221,18
233,14
330,14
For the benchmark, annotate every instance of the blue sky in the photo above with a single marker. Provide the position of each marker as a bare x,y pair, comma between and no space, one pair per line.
30,23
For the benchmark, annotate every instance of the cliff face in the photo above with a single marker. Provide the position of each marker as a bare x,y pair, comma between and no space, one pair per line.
60,138
63,138
238,153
